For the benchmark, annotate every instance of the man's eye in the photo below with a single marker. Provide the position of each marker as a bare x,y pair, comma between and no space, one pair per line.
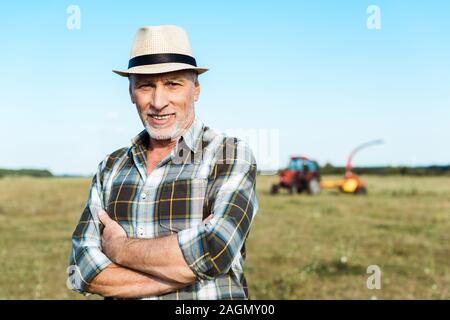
173,84
144,85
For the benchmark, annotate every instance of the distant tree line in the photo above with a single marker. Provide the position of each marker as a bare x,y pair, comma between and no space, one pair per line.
25,172
391,170
433,170
326,169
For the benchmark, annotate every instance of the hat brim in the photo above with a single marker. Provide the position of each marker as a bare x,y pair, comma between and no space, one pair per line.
159,68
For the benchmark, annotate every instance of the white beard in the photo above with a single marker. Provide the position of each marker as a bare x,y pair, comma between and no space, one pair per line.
177,129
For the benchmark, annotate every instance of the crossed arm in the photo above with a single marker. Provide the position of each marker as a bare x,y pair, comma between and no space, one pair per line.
141,267
120,282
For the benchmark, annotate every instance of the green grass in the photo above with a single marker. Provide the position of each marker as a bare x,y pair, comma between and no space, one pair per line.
295,249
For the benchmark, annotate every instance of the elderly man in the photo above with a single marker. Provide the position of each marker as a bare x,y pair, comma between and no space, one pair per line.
167,217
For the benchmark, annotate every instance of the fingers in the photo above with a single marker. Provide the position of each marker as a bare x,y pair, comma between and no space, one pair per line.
104,218
208,218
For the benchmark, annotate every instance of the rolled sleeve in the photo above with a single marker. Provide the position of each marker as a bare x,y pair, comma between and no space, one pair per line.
86,263
209,249
87,258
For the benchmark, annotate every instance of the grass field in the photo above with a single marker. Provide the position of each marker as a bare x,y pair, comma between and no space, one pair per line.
300,247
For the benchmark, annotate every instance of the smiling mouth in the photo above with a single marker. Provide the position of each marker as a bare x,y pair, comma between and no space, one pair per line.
161,116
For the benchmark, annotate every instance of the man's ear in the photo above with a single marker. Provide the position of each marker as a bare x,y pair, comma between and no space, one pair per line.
196,90
130,88
133,101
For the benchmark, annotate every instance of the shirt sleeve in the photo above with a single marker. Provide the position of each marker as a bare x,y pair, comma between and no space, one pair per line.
87,258
209,249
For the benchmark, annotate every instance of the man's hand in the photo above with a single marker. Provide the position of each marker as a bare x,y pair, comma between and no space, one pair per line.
114,237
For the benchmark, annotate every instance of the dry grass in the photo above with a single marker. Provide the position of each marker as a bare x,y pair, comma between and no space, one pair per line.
297,243
294,250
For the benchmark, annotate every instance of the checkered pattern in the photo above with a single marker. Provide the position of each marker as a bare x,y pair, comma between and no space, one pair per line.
206,173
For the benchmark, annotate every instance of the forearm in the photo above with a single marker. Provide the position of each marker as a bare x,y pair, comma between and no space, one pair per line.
119,282
160,257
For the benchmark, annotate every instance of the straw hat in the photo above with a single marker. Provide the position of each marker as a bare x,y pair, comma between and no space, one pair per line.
160,49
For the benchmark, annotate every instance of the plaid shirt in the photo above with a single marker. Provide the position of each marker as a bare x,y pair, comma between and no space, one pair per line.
206,173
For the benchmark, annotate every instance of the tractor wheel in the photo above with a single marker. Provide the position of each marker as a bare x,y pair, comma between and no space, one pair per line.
361,191
274,189
293,188
314,186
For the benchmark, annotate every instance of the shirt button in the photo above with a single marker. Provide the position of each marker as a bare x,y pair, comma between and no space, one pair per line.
144,195
141,231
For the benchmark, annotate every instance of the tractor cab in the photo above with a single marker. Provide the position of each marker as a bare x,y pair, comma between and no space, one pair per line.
301,174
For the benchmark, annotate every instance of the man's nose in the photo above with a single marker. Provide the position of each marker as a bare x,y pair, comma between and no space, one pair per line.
160,98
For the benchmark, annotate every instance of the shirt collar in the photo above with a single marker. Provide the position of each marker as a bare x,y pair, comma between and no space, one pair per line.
191,136
140,144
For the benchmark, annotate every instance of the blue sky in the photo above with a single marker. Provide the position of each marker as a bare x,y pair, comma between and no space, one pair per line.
311,70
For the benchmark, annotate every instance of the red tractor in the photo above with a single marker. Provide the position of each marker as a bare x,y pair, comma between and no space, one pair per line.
302,174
